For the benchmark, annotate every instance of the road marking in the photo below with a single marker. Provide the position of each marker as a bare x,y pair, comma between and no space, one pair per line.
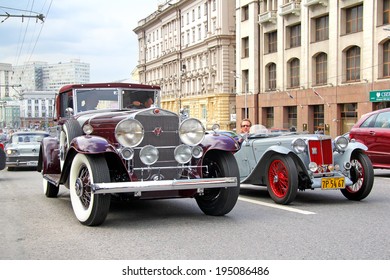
273,205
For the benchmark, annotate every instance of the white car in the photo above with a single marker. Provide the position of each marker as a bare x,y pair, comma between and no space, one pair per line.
22,149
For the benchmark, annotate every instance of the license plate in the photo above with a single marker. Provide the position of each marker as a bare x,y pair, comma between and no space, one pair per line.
32,163
332,183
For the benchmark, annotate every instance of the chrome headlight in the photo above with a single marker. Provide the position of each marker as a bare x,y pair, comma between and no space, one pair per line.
127,153
341,143
298,145
197,152
11,152
191,131
313,166
183,153
88,129
148,155
129,133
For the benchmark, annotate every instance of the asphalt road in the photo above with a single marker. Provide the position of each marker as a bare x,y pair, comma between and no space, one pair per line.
319,225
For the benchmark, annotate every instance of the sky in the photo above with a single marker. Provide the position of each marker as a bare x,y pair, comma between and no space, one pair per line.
98,32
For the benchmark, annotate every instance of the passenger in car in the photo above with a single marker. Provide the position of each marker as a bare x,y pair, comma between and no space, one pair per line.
140,105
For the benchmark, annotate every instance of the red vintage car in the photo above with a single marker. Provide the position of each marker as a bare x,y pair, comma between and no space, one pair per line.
112,143
2,156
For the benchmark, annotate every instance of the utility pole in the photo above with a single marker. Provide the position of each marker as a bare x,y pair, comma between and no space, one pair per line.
40,17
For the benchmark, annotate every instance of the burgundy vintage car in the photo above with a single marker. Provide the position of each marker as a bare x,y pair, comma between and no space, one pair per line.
111,144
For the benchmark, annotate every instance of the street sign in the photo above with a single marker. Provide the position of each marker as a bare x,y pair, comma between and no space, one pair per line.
380,95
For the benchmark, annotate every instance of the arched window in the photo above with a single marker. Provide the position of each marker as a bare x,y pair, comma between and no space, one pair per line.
386,59
353,64
294,72
272,76
321,71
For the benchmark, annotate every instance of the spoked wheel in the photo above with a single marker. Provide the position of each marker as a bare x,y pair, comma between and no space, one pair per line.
218,202
282,179
49,189
70,130
90,209
362,176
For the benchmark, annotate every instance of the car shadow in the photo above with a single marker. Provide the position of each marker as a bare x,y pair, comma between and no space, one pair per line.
303,198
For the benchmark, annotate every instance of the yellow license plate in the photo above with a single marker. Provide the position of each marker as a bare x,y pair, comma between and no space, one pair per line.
332,183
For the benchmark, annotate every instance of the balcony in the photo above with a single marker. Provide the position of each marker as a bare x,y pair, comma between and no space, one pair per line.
291,8
268,17
310,3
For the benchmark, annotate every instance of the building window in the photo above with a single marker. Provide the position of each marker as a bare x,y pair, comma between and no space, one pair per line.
322,28
386,11
318,118
244,13
348,116
292,116
295,36
269,119
203,111
353,64
321,69
272,76
294,73
386,59
354,19
272,42
245,47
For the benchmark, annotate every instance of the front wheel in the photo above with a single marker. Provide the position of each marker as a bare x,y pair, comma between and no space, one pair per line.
49,189
362,176
282,179
218,202
90,209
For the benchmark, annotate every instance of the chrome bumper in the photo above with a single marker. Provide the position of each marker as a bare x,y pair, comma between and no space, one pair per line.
165,185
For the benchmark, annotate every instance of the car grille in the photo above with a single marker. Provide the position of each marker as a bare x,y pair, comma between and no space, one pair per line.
161,131
321,152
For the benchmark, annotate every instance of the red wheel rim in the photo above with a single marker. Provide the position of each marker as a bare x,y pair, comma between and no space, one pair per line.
359,174
278,178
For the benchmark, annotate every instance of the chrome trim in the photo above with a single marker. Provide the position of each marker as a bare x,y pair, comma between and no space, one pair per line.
165,185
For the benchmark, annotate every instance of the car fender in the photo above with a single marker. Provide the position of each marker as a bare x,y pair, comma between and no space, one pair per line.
49,160
88,144
258,174
341,158
219,142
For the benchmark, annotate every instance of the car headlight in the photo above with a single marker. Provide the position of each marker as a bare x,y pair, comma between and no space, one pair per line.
341,143
183,153
298,145
12,152
129,133
191,131
148,155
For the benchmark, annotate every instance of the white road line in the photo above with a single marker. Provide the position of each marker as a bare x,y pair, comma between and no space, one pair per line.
273,205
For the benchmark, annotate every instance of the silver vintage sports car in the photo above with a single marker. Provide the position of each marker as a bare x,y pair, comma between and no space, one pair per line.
286,163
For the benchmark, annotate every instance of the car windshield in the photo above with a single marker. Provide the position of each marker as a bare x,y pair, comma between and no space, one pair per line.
100,99
27,138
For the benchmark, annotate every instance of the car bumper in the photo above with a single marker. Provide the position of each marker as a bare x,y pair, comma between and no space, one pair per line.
20,162
166,185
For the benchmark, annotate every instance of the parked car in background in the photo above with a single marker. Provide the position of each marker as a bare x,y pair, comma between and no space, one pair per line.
2,156
22,149
296,162
118,149
373,130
